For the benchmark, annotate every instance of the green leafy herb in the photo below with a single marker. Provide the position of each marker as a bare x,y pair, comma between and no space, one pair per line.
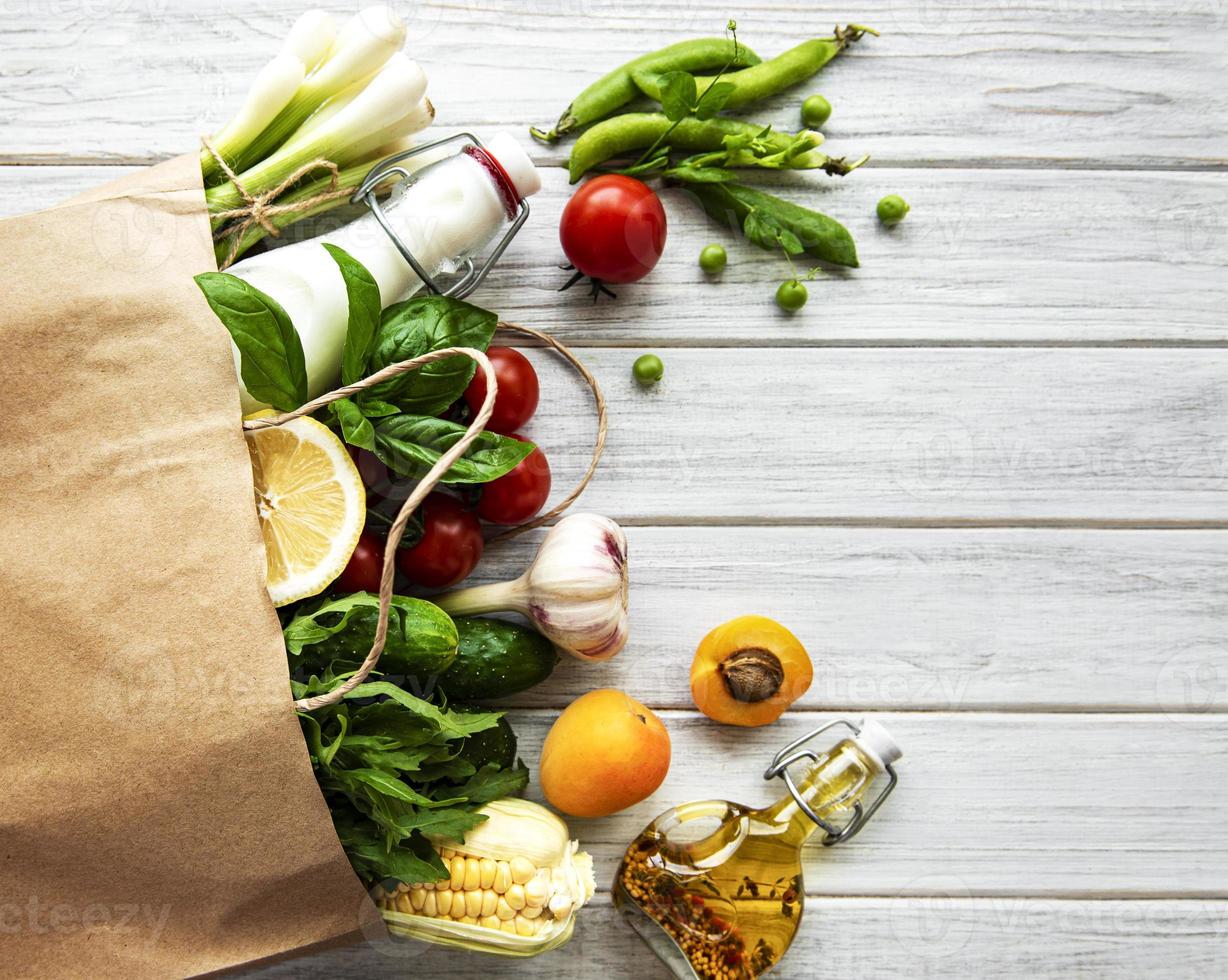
412,444
678,94
271,361
364,304
416,327
356,428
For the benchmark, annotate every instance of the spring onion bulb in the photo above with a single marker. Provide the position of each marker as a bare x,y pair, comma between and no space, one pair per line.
343,137
365,44
311,38
273,87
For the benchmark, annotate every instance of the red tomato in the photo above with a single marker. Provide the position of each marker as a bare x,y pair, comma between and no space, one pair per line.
364,568
516,399
520,494
613,229
450,547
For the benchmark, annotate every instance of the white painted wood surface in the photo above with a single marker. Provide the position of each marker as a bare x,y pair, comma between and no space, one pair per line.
983,476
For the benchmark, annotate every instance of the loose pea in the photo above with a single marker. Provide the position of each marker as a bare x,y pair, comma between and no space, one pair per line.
712,259
791,295
648,369
816,110
891,209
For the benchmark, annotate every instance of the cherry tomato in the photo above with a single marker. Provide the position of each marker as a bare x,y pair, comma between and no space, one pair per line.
450,547
613,229
519,494
364,568
516,399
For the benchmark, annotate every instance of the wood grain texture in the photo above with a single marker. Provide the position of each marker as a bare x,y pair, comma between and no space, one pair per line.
871,937
985,257
902,435
935,620
1134,82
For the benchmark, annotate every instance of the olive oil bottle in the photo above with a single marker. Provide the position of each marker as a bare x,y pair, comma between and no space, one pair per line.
715,888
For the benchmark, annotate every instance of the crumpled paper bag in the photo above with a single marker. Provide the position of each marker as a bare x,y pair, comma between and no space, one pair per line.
160,816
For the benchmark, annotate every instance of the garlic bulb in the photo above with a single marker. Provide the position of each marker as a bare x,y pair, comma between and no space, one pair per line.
574,592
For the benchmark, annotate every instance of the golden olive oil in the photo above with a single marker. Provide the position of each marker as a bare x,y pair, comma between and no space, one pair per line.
716,889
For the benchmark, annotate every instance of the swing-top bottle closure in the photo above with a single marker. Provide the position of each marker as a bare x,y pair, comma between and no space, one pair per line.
513,175
875,743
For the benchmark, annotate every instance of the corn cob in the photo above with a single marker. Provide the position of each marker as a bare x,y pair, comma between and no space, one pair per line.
513,887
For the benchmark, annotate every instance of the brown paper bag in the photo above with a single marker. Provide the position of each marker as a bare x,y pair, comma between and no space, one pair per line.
160,813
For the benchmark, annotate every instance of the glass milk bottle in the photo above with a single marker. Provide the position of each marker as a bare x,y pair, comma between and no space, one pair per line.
449,211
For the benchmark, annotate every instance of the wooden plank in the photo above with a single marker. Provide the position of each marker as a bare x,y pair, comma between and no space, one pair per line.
950,620
934,436
988,804
1136,83
985,257
873,937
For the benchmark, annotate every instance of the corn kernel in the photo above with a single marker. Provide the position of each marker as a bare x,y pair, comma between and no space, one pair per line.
487,869
473,874
503,877
560,905
522,869
515,897
447,853
416,897
473,904
403,904
509,926
430,906
532,911
536,892
489,901
468,920
504,911
458,874
443,902
489,922
526,927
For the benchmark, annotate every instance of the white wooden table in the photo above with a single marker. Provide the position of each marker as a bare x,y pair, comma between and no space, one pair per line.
983,477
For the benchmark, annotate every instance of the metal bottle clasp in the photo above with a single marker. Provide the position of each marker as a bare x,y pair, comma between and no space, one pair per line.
473,276
793,752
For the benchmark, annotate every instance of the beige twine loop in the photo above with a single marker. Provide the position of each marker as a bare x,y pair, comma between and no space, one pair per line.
259,209
428,483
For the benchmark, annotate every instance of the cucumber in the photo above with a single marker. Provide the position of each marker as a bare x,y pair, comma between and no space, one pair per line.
494,745
496,658
422,642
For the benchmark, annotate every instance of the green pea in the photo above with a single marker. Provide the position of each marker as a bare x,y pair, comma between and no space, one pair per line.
648,369
791,295
712,259
816,110
891,209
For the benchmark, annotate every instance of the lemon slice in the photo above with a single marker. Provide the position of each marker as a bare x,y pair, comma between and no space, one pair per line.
311,504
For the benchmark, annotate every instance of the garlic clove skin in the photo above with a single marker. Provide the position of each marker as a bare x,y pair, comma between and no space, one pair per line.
576,589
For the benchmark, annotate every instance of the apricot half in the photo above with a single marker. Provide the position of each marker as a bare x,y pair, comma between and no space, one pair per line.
748,671
605,752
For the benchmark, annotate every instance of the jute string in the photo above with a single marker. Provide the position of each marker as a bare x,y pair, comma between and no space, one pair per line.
259,209
428,483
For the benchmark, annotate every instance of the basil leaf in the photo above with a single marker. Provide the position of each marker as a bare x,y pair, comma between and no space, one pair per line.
678,92
356,428
373,408
714,99
271,361
412,444
364,301
415,327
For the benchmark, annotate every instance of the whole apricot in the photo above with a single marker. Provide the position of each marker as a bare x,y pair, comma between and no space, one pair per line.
605,752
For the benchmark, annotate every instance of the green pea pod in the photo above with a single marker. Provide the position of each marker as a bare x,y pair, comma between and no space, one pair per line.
820,237
632,131
613,91
766,78
422,639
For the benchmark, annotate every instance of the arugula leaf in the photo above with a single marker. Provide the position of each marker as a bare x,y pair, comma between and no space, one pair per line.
416,327
491,783
678,94
271,361
364,302
412,444
356,428
450,824
454,724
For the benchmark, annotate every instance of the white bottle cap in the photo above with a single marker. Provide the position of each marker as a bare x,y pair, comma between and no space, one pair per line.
877,743
516,163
